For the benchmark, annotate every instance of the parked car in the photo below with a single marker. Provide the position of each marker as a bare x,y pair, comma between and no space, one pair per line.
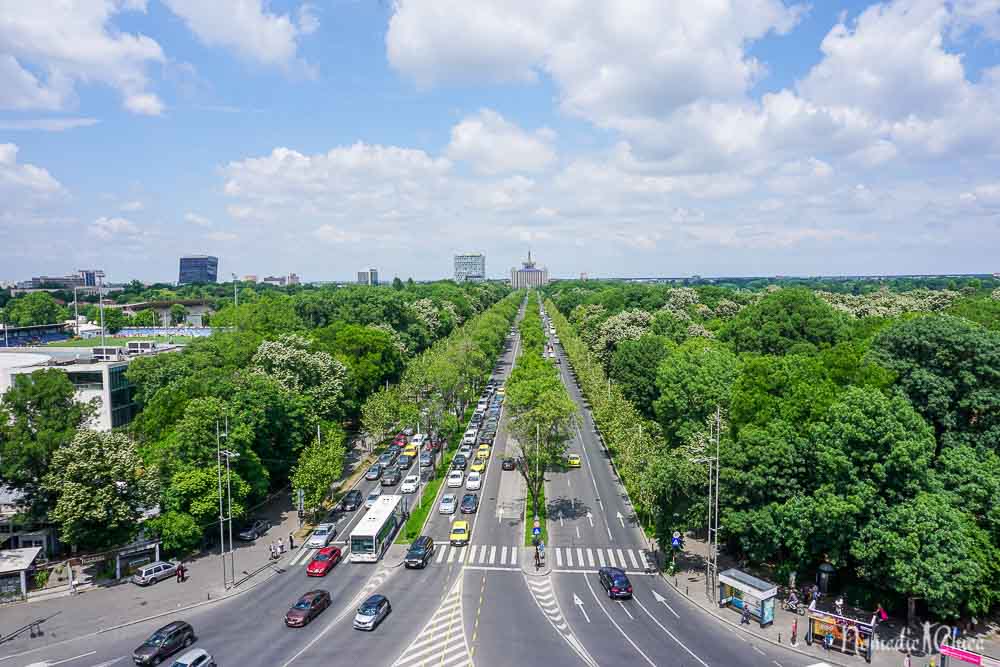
508,464
255,529
154,572
372,612
308,607
420,552
351,501
473,481
372,497
470,503
455,479
410,484
615,582
449,503
197,657
374,472
426,459
163,643
321,536
323,561
391,476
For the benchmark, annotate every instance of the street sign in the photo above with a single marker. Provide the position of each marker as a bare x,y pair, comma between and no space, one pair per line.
676,541
302,500
537,530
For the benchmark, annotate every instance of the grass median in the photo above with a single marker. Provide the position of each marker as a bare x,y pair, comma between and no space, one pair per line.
529,519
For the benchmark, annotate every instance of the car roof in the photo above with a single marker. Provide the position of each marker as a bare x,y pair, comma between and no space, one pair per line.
373,599
423,540
354,492
613,571
328,550
313,594
448,496
192,654
324,526
460,524
173,625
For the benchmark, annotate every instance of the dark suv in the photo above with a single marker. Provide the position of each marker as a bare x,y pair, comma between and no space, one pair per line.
352,500
615,582
420,552
163,643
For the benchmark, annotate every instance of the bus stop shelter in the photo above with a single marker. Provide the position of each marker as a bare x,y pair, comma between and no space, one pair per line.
849,635
740,590
14,567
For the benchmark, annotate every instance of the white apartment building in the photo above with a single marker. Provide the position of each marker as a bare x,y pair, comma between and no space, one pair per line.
470,266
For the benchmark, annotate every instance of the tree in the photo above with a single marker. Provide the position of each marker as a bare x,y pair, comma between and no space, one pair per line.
397,284
949,368
33,309
179,533
785,321
38,415
195,491
320,466
178,313
114,320
102,488
692,380
633,368
370,355
925,548
316,374
145,318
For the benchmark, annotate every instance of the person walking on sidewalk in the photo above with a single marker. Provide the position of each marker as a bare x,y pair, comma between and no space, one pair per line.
745,616
291,541
281,546
180,572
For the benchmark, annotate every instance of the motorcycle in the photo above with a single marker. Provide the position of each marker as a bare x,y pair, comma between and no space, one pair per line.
794,607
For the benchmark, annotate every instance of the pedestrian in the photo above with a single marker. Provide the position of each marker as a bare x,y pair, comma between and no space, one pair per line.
828,640
291,541
906,660
180,572
795,631
72,585
281,546
881,613
745,615
270,548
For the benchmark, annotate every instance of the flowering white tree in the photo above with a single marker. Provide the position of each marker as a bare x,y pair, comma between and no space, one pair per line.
318,375
626,325
427,313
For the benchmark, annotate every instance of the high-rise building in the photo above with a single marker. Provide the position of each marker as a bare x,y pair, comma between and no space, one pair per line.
528,275
89,277
198,269
293,279
470,266
369,277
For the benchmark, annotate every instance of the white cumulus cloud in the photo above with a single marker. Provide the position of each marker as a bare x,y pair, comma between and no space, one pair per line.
494,145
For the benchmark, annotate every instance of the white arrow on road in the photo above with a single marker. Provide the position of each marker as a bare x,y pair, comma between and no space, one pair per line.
560,519
579,603
590,518
660,598
499,514
622,519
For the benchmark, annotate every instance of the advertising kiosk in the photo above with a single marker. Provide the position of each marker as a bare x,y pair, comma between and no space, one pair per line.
738,589
849,635
954,656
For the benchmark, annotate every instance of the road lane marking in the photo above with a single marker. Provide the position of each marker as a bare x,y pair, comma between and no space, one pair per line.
493,554
569,557
513,555
625,609
503,554
600,557
451,556
590,557
621,559
615,623
472,553
757,649
440,556
631,557
59,662
611,558
662,600
579,556
669,634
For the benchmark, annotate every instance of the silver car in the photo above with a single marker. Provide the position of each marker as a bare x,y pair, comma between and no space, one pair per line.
373,497
154,572
371,612
198,657
449,502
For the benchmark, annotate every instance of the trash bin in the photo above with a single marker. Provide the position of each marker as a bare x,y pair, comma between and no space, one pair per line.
824,578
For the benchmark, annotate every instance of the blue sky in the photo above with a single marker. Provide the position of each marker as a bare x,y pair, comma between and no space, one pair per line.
644,138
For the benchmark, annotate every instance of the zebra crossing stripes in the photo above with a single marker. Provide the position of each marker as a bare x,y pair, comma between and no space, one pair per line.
442,641
545,597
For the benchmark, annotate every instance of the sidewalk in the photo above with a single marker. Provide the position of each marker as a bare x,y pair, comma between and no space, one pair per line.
103,605
891,636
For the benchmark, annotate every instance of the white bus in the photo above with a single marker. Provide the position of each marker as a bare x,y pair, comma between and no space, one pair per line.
374,533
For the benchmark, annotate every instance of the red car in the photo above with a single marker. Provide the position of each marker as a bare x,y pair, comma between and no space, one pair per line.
323,561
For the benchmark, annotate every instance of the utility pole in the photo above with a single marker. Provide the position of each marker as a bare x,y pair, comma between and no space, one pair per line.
76,312
229,492
714,463
100,302
222,534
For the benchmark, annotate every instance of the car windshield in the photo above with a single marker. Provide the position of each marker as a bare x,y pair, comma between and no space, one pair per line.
319,532
373,495
619,581
321,557
458,531
156,639
302,604
368,609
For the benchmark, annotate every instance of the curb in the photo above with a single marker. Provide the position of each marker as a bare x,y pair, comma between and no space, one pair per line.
722,618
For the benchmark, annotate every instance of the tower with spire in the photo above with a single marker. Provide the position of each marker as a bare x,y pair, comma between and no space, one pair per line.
529,275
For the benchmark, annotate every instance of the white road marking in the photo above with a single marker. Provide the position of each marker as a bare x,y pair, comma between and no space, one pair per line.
662,600
621,559
451,555
569,557
513,555
625,609
59,662
577,532
440,556
758,650
622,519
503,555
669,634
493,555
590,557
611,558
579,603
579,556
590,518
558,553
600,557
631,557
615,623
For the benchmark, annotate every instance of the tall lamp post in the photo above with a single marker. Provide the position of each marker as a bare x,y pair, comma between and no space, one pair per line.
100,302
229,455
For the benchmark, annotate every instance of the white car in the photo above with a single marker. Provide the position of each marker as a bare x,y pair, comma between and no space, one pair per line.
466,451
474,481
470,436
373,497
419,439
448,504
198,657
321,536
410,484
455,479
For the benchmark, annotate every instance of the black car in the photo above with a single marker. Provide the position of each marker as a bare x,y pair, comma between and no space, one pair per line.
391,476
352,500
255,529
470,503
615,582
420,552
459,462
508,464
404,462
163,643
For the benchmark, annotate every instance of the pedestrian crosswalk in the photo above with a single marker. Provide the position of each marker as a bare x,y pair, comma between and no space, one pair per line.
558,558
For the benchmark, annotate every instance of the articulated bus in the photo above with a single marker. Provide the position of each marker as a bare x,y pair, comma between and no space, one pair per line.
373,534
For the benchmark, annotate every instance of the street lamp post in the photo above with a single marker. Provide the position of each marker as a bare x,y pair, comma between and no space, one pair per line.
100,302
222,535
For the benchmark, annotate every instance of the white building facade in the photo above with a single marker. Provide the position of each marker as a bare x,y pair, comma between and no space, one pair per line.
529,275
470,267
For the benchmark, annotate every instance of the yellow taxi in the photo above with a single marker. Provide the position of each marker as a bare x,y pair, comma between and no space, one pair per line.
459,534
478,465
411,450
573,460
501,391
483,451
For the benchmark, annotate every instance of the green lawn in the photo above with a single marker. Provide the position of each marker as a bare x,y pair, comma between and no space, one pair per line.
529,519
118,341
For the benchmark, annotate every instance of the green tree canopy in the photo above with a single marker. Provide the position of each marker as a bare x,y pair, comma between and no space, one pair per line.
785,321
692,380
631,366
33,309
